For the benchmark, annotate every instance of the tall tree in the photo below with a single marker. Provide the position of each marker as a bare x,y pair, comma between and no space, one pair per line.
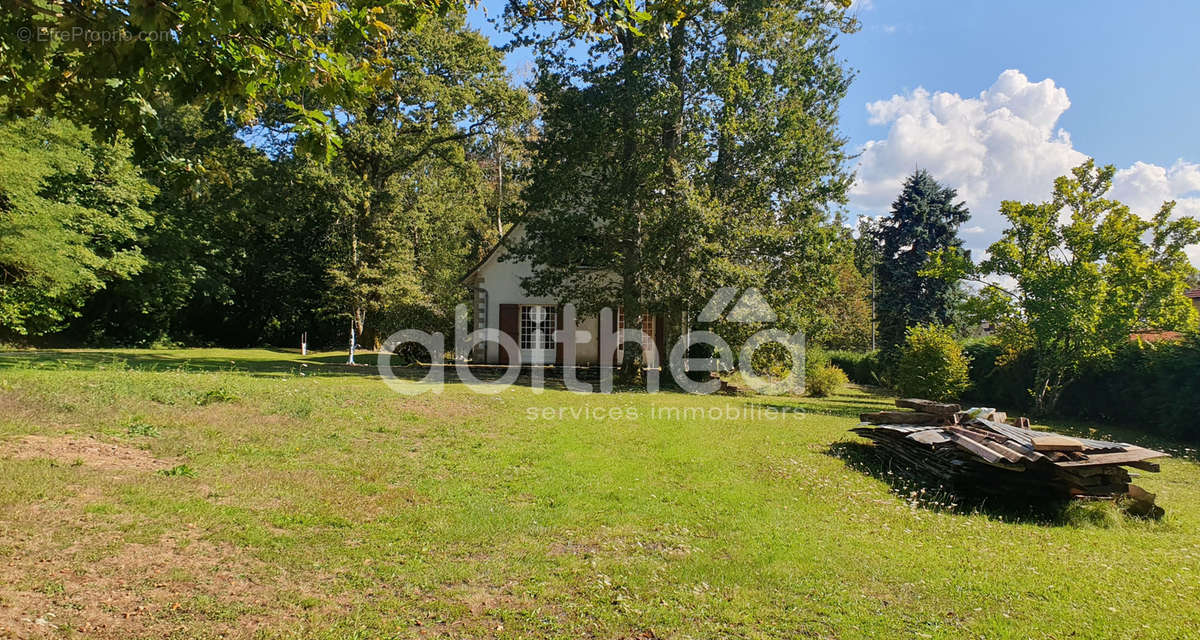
1083,282
71,213
701,154
405,145
112,64
237,254
924,220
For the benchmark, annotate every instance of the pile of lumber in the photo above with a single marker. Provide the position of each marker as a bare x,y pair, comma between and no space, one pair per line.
983,451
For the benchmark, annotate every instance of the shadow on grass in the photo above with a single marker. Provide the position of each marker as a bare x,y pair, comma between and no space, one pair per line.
283,362
842,406
286,363
1176,447
924,491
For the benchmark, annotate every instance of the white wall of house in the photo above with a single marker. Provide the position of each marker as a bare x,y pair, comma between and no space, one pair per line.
502,282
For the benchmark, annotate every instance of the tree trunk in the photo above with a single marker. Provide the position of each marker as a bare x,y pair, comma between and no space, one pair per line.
673,127
357,312
631,363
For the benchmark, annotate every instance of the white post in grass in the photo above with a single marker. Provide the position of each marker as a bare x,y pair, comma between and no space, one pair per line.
304,343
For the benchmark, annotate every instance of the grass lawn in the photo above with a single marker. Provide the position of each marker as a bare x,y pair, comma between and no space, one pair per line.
252,493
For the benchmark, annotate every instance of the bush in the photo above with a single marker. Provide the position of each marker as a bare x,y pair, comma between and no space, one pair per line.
932,364
993,386
1153,388
815,358
860,367
772,360
824,381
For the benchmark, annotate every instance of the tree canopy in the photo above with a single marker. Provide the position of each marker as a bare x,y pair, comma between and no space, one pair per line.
1085,272
71,214
924,220
704,154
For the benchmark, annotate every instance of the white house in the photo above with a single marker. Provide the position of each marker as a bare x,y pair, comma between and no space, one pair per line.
499,302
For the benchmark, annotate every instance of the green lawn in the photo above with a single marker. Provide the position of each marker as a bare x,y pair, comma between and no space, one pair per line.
251,493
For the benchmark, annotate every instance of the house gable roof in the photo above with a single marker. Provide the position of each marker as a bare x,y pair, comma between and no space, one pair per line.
490,254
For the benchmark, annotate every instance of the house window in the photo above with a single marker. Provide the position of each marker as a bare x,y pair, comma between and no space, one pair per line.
647,337
538,323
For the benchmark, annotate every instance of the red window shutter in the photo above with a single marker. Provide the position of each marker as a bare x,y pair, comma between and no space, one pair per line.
558,345
510,323
660,339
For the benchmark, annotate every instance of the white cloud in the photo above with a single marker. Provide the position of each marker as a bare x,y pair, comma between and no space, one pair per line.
1001,145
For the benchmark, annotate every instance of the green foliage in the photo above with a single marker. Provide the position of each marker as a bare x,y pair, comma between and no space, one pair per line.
924,220
998,379
932,364
179,471
71,214
690,161
772,359
1100,514
215,396
825,381
407,195
252,248
138,427
861,367
821,377
111,64
1083,283
843,317
238,252
1149,387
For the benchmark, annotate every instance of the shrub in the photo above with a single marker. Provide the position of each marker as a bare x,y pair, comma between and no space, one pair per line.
825,381
860,367
998,386
815,358
1149,387
932,364
139,427
772,360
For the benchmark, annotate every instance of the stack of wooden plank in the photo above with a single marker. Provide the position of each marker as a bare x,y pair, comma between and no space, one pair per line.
984,451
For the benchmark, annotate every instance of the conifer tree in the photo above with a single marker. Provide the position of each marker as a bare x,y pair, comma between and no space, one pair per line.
924,220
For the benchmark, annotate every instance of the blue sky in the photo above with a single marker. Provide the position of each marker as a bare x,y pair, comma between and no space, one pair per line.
1130,68
998,98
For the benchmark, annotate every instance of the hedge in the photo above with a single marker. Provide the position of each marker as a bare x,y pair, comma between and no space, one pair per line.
861,368
1151,387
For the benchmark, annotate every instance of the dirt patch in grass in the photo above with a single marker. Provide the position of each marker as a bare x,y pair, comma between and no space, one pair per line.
64,571
72,450
136,590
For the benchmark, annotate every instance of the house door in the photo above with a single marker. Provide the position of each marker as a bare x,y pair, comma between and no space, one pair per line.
538,322
649,331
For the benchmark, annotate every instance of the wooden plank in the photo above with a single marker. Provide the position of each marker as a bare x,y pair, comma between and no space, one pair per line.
994,444
899,417
1055,442
1137,454
975,447
928,406
1145,465
1020,423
